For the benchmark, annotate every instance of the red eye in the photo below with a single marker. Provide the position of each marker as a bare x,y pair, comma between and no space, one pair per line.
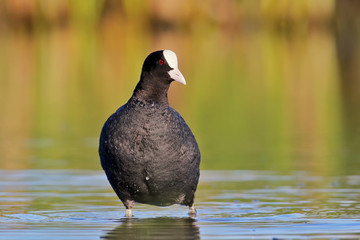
161,62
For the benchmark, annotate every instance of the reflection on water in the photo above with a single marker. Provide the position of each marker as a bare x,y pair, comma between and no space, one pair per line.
272,87
155,228
78,204
265,91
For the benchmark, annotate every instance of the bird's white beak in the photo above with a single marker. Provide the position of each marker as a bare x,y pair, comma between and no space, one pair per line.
177,76
175,73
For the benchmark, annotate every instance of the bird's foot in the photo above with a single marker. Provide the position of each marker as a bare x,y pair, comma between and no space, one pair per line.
192,211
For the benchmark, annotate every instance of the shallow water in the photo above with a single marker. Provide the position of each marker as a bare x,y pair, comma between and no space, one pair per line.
277,94
79,204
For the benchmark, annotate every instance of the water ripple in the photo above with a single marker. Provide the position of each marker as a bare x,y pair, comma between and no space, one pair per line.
230,204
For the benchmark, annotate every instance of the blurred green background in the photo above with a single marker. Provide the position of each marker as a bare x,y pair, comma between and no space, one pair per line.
272,85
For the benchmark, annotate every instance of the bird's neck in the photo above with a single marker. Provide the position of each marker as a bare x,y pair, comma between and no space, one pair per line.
151,90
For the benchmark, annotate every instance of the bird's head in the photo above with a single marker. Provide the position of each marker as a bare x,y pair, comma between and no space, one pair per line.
162,66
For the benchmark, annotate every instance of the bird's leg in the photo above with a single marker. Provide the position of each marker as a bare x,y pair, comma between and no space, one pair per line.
128,213
192,211
129,204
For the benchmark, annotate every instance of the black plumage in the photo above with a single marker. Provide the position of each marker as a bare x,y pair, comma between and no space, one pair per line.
147,151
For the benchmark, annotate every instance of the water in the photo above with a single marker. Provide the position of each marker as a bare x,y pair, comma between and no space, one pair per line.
277,94
79,204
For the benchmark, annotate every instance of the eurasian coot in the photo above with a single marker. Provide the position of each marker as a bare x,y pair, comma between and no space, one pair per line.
147,151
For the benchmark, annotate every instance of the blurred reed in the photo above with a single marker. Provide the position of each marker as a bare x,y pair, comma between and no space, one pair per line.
29,15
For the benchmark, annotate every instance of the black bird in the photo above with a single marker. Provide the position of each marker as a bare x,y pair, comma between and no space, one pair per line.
147,151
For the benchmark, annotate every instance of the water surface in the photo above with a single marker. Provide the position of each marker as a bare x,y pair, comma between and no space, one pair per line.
79,204
273,91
